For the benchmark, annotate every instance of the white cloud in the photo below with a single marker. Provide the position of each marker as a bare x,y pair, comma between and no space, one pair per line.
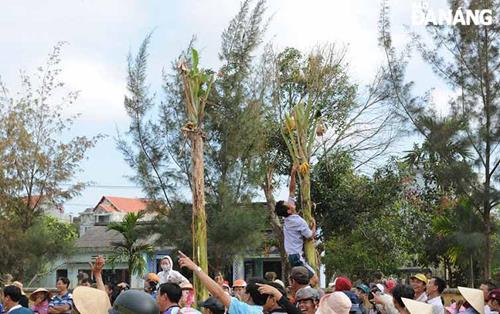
101,90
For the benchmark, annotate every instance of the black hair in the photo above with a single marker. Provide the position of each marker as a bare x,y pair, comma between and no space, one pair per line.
65,281
13,292
281,209
278,286
253,290
491,285
86,280
270,276
173,291
402,291
440,283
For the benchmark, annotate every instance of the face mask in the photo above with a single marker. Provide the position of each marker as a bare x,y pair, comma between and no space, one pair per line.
165,267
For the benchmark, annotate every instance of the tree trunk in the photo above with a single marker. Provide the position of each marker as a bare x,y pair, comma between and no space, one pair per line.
199,227
305,193
276,224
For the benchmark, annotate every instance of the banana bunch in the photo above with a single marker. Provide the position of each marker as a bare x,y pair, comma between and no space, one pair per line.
304,168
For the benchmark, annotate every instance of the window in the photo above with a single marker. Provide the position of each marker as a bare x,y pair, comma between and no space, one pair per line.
61,273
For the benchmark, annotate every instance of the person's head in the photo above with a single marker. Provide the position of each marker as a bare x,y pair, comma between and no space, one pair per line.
389,284
168,295
133,301
212,306
187,297
336,302
494,299
252,294
11,296
19,285
283,209
62,284
271,302
110,288
307,300
487,287
362,291
402,291
299,277
150,282
166,263
86,282
225,286
239,287
435,286
418,283
343,284
40,295
270,276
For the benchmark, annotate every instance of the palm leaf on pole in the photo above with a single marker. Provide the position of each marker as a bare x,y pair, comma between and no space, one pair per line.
196,86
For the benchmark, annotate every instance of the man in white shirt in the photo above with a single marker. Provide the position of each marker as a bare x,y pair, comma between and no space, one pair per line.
434,289
418,283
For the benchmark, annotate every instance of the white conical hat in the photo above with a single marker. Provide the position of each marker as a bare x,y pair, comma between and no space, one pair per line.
90,300
417,307
475,297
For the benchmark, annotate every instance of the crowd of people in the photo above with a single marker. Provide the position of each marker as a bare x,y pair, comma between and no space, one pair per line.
169,292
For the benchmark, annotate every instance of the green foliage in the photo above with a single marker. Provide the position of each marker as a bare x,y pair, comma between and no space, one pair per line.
33,253
157,149
231,231
365,222
133,248
35,163
461,151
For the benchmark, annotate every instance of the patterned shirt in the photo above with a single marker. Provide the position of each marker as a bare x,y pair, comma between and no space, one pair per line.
59,300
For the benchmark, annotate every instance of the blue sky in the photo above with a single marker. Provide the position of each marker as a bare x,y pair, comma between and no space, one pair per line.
101,33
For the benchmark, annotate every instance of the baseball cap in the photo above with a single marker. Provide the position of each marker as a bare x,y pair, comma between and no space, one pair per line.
420,277
300,274
307,293
363,288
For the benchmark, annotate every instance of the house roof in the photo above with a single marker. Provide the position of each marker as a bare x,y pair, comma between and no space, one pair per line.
98,237
122,204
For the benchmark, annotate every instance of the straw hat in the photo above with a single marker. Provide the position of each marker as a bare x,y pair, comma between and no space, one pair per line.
186,286
33,294
475,297
90,300
19,285
417,307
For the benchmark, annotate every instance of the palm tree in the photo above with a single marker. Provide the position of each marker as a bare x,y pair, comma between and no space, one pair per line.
132,249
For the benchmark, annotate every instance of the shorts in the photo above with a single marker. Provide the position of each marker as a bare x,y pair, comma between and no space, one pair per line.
298,260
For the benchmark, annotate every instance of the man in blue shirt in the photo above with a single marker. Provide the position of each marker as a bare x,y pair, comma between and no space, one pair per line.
62,303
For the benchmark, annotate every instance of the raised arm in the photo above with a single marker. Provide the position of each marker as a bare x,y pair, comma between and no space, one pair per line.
214,288
97,272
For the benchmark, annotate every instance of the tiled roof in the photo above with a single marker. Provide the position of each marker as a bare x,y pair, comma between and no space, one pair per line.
122,204
98,237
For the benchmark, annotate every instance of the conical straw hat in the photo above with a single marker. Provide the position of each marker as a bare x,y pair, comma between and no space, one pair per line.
417,307
90,300
475,297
